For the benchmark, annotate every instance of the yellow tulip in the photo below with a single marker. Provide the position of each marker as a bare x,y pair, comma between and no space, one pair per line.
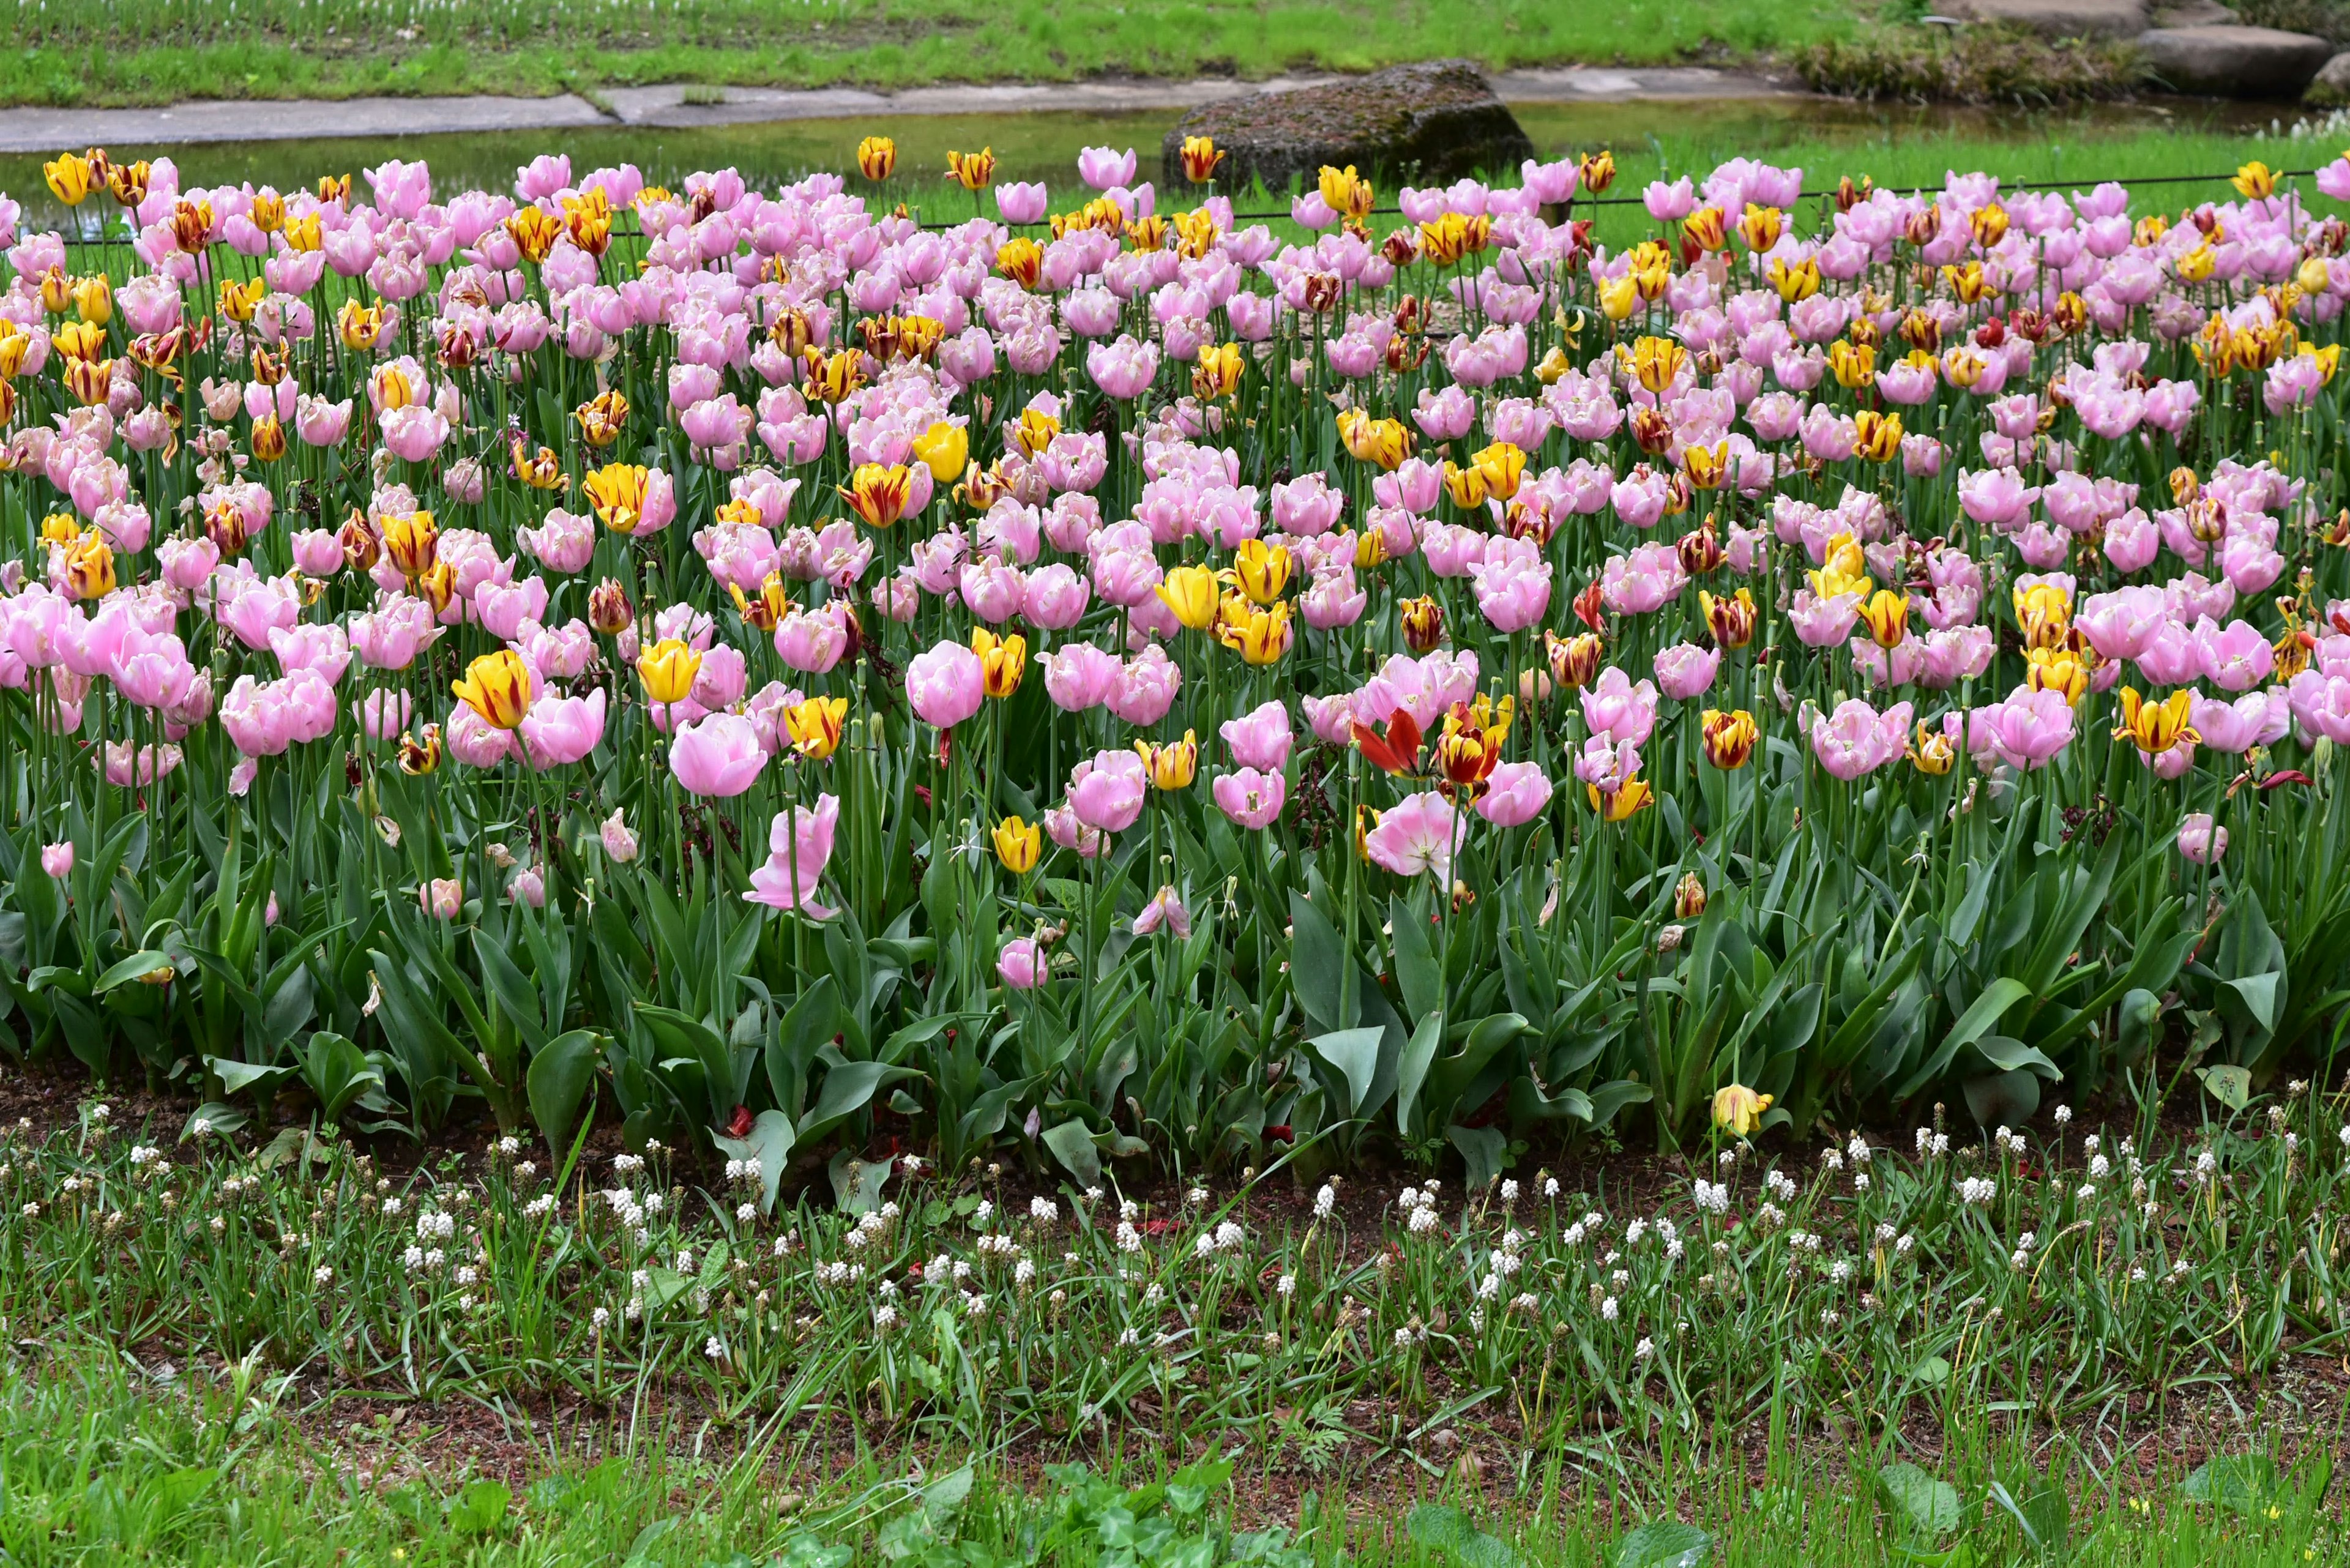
877,157
971,171
1200,155
1190,593
1623,805
814,726
1887,616
1258,636
945,450
1018,843
71,178
617,494
1003,661
88,566
1876,437
667,670
1657,362
1219,372
2156,727
1173,765
1262,569
1738,1110
1730,738
1501,466
497,687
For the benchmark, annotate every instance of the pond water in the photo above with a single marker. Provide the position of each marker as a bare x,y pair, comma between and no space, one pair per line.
1900,146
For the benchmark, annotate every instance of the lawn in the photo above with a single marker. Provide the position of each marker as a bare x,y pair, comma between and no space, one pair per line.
159,51
107,1462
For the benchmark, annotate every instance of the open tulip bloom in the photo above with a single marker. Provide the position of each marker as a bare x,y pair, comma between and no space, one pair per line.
716,652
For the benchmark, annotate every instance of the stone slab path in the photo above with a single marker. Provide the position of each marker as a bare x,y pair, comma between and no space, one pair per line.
130,130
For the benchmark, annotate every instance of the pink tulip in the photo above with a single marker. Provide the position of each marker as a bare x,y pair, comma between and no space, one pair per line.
1855,739
187,563
390,636
722,678
1103,169
1123,368
442,898
1106,791
1020,963
58,859
318,553
152,670
1053,597
620,844
2200,841
718,756
414,432
1646,579
1079,676
1020,203
2030,728
563,542
1616,709
2236,658
1512,585
322,650
813,640
558,731
1415,836
1685,670
1251,797
946,684
2320,703
1261,738
1515,794
1145,687
474,742
799,843
383,714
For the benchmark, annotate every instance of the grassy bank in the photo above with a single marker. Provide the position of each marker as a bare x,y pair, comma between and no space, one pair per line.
1901,147
102,1464
159,51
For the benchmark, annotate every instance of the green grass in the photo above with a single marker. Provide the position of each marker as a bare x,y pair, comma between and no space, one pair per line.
100,1466
1898,147
156,51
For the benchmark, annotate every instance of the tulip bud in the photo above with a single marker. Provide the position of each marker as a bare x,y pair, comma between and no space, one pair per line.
1689,898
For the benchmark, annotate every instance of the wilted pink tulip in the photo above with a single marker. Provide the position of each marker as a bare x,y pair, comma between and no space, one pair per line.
799,845
1165,911
2200,840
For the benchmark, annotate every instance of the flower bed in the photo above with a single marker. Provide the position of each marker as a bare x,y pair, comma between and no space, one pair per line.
1116,684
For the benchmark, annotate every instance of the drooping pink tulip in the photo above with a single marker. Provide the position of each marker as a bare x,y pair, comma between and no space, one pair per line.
799,846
